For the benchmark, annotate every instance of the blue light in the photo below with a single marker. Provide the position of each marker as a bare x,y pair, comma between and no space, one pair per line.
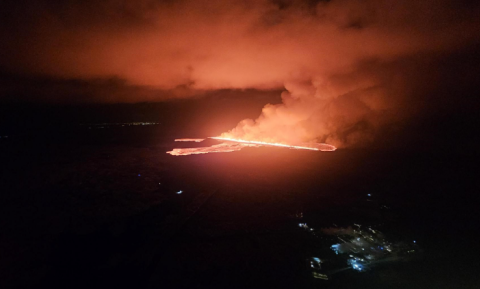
139,175
357,267
179,192
414,241
369,195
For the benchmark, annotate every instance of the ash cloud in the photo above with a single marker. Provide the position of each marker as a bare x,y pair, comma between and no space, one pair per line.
350,68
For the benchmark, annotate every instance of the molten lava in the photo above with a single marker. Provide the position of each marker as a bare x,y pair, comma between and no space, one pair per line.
219,148
231,145
190,139
320,146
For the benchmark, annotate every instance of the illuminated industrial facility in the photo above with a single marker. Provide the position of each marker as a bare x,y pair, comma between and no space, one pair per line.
361,249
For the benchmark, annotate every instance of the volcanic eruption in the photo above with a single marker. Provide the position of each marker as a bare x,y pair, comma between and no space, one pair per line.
231,145
349,70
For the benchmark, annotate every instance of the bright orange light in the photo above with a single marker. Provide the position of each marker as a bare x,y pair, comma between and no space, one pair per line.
324,147
190,139
219,148
231,145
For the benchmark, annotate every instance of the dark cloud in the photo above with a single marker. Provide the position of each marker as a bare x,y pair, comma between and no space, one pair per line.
19,88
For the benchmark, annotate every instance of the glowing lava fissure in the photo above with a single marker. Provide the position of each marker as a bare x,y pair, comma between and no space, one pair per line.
218,148
190,139
231,145
272,144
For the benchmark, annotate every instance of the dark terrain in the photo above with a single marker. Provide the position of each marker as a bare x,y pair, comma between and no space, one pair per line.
93,208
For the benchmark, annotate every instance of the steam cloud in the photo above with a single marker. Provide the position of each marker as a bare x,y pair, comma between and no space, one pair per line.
349,67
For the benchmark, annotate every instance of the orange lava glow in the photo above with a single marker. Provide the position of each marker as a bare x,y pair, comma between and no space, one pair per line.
190,139
219,148
231,145
329,148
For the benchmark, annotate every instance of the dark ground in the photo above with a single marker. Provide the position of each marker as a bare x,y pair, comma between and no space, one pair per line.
96,208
